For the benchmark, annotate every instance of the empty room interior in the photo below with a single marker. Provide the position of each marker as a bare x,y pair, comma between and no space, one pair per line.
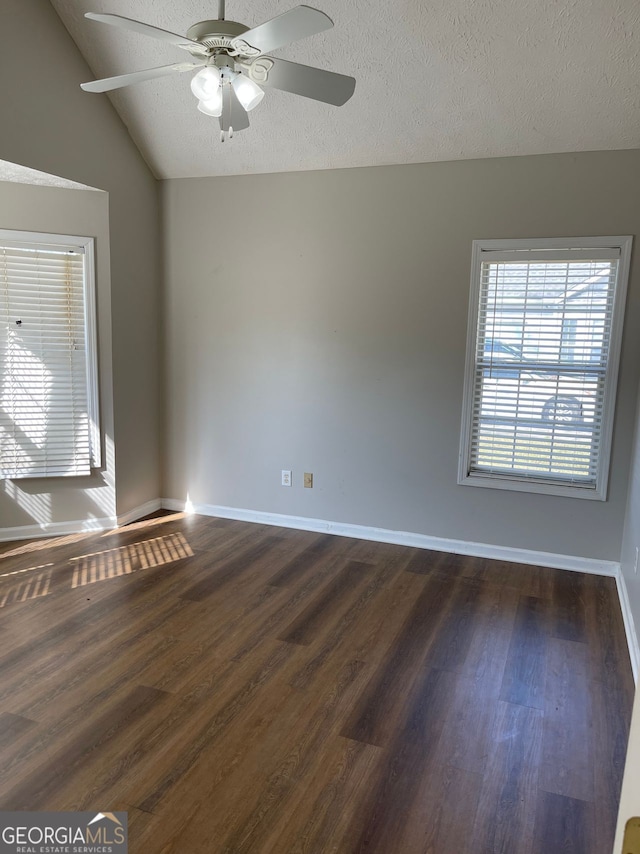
319,426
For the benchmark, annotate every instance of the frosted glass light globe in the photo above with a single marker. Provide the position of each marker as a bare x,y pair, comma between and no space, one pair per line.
212,106
249,94
205,83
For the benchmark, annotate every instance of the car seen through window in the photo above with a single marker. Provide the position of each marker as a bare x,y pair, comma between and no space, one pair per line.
514,386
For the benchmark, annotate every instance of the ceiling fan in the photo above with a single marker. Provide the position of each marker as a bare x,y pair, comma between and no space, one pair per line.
231,61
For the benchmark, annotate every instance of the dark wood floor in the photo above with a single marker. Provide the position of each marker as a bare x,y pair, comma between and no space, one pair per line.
243,688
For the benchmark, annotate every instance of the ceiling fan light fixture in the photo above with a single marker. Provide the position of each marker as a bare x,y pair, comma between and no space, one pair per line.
212,106
206,83
231,59
249,93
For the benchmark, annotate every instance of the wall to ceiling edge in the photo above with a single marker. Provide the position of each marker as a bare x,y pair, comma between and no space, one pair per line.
50,125
320,325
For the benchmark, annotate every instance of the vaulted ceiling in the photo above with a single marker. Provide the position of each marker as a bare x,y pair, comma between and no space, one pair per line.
444,80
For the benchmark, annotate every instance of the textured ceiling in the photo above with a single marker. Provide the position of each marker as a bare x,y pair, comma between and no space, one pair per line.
444,80
15,174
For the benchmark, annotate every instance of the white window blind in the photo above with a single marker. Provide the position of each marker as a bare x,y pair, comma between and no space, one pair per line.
542,365
48,390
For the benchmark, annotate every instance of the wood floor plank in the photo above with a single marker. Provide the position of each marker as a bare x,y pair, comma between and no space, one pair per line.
304,562
428,562
58,728
38,789
569,605
611,721
334,595
230,770
567,758
451,643
523,681
12,727
286,607
563,824
610,655
536,581
316,818
252,794
467,739
444,812
230,569
296,755
82,623
611,690
492,634
505,819
205,730
406,764
384,600
376,713
65,667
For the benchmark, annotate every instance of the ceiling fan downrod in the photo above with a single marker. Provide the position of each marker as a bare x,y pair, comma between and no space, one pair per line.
221,10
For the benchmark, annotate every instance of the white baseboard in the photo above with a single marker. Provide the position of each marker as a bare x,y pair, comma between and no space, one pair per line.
629,625
404,538
56,529
423,541
362,532
78,526
139,512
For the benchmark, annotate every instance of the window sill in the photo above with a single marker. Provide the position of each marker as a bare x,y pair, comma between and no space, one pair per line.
515,484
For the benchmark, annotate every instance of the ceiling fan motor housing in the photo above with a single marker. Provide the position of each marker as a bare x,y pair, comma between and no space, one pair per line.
216,35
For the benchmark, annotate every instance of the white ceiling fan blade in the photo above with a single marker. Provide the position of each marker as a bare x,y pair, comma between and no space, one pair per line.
147,30
289,27
234,114
302,80
109,83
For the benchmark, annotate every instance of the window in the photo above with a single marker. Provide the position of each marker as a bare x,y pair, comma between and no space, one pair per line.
545,325
48,371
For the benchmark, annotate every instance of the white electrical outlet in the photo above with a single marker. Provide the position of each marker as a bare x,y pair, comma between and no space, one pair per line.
286,477
635,565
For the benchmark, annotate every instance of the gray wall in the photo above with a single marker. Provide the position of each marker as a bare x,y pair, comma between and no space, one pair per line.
630,796
317,322
631,539
85,213
51,125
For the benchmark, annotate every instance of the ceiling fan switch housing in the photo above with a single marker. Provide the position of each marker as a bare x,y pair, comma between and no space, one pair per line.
226,66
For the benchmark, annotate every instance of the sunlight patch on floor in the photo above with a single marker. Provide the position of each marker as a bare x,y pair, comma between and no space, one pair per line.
27,587
124,560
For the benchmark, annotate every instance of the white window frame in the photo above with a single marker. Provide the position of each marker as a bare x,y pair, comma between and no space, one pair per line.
485,250
86,246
